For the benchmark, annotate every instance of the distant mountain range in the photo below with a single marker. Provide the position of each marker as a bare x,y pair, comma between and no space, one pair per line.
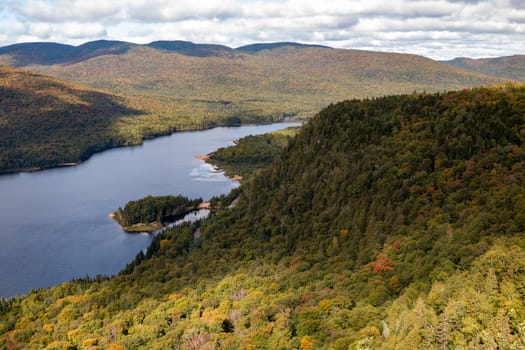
179,85
259,79
43,53
510,67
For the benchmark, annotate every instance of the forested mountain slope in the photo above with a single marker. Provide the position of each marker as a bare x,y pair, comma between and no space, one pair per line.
391,223
44,53
511,67
178,85
281,79
252,153
45,121
252,81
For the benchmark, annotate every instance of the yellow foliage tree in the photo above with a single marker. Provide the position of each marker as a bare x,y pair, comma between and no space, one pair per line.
306,343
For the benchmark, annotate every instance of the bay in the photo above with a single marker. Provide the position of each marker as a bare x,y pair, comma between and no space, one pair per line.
54,224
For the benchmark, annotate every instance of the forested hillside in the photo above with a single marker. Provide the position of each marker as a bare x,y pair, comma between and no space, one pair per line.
252,153
254,81
46,122
143,91
511,67
388,223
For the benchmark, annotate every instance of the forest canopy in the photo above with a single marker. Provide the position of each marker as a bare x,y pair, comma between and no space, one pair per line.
387,223
46,122
153,210
252,153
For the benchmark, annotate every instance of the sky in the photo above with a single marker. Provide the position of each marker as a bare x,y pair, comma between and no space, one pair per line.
440,29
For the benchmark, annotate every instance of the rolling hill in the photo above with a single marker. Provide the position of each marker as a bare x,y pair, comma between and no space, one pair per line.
177,85
45,121
386,223
190,49
20,55
509,67
255,48
256,80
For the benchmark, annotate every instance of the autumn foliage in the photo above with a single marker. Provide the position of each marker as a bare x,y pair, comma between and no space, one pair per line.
338,244
382,263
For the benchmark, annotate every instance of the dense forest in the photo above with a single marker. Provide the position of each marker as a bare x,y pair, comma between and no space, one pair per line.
149,213
511,67
250,83
251,153
132,92
46,122
387,223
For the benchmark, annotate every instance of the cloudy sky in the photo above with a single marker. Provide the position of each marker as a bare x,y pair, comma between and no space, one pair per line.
440,29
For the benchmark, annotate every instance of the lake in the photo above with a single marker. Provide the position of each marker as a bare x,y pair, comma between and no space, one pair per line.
55,224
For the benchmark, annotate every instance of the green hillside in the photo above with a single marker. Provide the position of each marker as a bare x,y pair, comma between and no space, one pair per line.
143,91
388,223
252,153
46,122
297,80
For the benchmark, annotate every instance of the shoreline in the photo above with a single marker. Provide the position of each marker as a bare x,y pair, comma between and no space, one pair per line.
204,158
139,143
41,168
208,160
155,226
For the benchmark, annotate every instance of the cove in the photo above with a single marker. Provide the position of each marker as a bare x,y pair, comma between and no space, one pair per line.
54,224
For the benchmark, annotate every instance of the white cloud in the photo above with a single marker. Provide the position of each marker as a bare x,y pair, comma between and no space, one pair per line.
41,30
60,11
78,30
439,28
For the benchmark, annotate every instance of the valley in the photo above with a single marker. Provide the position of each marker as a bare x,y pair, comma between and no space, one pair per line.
385,223
391,219
114,93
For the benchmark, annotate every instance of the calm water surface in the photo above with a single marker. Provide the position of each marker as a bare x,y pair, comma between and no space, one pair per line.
54,224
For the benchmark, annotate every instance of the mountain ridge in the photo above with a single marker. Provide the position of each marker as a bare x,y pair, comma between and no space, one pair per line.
49,53
257,47
188,48
55,53
179,85
303,78
511,67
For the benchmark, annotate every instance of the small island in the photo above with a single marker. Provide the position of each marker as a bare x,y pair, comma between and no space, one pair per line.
151,213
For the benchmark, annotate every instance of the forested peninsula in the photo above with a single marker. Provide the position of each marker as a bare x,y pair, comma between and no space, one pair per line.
387,223
251,153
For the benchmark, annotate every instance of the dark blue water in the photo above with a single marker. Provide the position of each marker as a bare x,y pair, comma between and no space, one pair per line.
54,224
